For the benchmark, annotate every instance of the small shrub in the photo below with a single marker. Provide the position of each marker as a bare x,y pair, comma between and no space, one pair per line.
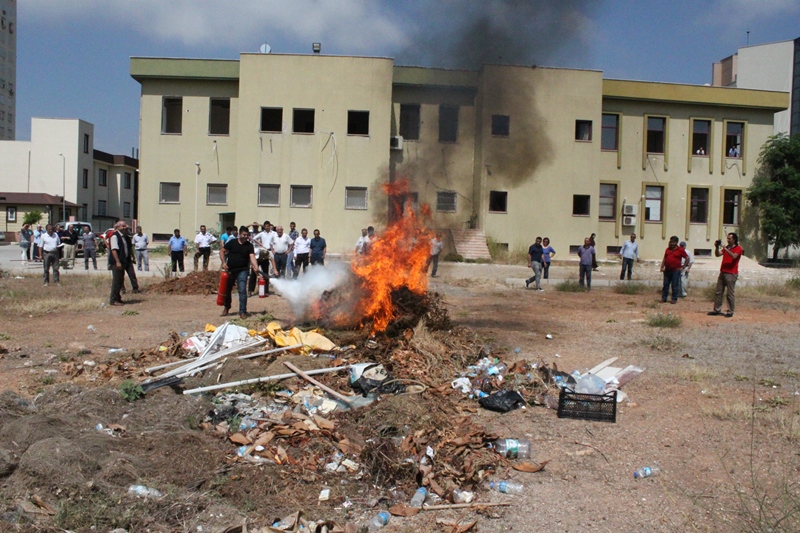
630,288
663,344
662,320
130,390
5,337
130,313
793,283
454,258
569,285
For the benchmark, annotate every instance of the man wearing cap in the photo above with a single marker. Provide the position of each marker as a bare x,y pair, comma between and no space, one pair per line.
686,266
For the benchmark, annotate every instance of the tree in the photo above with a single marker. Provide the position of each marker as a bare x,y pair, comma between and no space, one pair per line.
775,191
32,217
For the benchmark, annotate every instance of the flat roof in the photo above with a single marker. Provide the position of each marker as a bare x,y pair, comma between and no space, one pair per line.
695,94
419,76
166,67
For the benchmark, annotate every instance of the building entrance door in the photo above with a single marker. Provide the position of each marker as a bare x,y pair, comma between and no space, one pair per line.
225,220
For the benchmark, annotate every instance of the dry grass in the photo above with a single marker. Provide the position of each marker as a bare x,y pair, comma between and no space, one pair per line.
630,287
73,294
737,410
693,373
664,320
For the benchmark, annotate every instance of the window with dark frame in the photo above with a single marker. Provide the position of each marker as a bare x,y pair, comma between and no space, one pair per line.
580,205
702,252
300,196
355,198
698,206
701,137
446,201
169,193
126,209
498,201
303,121
85,178
409,122
501,125
102,177
172,114
216,194
653,201
219,116
609,136
271,120
101,208
11,214
269,194
126,180
85,143
358,122
734,139
583,130
656,127
448,123
608,201
731,207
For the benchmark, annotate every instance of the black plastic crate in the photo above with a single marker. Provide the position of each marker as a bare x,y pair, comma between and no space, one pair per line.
599,407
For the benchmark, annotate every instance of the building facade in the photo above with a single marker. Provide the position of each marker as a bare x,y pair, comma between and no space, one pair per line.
513,151
60,160
8,69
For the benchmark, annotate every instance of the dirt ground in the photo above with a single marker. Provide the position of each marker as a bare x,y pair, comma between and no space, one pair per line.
716,409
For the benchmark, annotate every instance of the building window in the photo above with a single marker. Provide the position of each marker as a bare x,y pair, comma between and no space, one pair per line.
355,198
653,199
358,122
219,116
702,252
172,114
501,125
609,136
102,177
498,201
583,130
303,121
698,206
101,208
446,201
701,137
85,143
300,196
448,123
11,214
656,128
580,205
84,212
731,207
409,121
216,194
269,194
169,193
126,210
126,180
85,178
608,201
734,139
271,119
613,250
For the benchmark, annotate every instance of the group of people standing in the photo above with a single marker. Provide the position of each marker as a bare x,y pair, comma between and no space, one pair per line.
539,255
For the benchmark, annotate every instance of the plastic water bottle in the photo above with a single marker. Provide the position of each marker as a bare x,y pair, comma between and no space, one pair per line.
645,471
419,498
380,520
144,492
590,384
513,448
506,487
463,496
477,393
499,369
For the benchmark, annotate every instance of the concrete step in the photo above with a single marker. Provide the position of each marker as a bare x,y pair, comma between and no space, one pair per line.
470,243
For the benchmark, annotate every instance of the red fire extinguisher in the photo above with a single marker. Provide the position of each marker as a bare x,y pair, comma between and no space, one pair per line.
223,287
262,287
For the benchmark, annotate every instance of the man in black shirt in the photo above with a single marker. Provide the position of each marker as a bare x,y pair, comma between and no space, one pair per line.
535,260
238,257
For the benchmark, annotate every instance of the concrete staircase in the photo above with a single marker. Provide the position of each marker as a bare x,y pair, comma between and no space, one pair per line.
470,244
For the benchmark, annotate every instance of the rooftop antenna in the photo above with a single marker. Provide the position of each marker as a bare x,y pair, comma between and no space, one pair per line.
265,48
748,37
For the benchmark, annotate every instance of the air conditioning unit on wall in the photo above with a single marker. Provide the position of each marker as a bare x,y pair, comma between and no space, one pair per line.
396,142
630,210
628,221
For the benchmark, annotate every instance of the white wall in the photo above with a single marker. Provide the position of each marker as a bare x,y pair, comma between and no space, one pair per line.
768,67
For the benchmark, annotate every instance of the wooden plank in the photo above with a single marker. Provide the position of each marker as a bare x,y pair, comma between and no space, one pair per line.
602,365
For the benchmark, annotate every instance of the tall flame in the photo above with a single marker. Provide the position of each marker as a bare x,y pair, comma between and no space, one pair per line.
397,258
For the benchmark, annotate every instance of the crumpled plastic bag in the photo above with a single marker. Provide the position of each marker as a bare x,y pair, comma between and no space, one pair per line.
503,401
375,379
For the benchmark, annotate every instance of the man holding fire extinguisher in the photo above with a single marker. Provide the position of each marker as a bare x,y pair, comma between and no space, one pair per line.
238,257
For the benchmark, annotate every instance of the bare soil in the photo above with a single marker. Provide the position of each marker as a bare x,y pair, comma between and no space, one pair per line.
716,409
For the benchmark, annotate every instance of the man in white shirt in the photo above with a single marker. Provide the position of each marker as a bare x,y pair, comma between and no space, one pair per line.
436,248
302,249
203,242
280,246
686,266
49,243
140,243
362,242
629,253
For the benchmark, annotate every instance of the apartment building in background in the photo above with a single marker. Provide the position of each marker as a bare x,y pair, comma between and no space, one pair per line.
60,160
510,152
8,69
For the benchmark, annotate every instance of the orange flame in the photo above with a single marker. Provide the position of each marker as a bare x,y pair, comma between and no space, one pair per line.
397,258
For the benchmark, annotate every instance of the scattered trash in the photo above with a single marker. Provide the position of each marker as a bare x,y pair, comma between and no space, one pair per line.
507,487
116,350
90,327
374,378
144,492
462,384
645,471
548,337
590,384
598,407
503,401
513,448
380,520
463,496
419,498
324,495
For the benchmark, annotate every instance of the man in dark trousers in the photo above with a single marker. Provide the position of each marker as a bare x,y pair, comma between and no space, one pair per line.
535,261
120,259
671,267
728,273
238,257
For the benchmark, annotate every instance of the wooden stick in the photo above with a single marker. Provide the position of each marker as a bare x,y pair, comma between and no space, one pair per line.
464,505
261,380
313,381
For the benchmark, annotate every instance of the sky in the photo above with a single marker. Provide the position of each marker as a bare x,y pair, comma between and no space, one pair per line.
73,56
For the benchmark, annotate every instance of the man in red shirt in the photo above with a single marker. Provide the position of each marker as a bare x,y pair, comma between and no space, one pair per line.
728,273
671,267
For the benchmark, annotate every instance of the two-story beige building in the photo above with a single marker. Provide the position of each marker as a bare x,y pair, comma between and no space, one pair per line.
511,151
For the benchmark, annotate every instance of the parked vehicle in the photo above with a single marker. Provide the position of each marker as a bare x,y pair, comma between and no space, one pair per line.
2,236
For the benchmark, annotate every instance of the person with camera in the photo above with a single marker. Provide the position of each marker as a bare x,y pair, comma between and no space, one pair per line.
728,273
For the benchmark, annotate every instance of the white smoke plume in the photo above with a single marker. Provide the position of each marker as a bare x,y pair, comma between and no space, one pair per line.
309,287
